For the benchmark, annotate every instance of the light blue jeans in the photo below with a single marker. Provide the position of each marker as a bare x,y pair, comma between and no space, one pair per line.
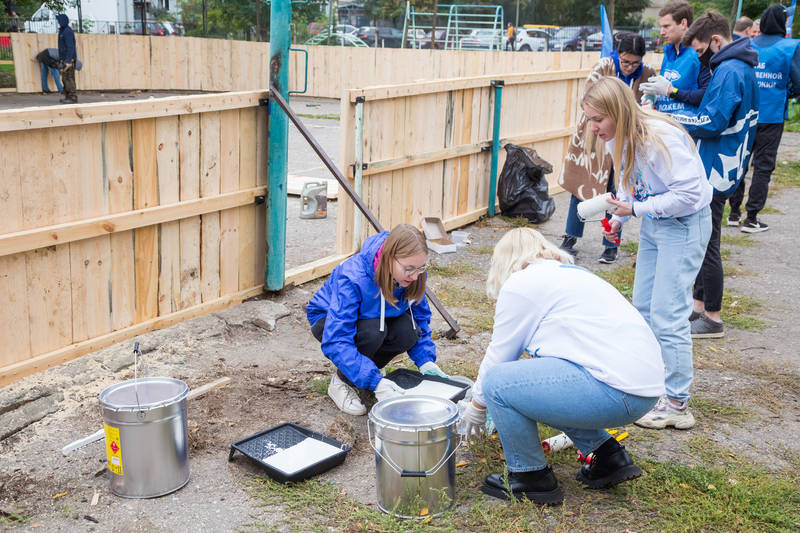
670,254
560,394
54,71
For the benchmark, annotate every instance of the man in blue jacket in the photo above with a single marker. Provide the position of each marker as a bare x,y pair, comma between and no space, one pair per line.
778,73
67,56
724,127
683,79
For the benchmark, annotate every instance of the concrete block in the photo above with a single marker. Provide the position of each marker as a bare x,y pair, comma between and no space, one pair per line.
26,414
260,313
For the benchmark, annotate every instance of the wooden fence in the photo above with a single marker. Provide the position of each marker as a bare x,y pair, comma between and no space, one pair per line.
125,217
129,62
426,145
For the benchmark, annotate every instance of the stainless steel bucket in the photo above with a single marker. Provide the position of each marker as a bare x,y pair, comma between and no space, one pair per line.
415,440
146,437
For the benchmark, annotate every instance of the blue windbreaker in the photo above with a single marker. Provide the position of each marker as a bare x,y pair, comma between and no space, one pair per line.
777,66
681,68
351,294
724,125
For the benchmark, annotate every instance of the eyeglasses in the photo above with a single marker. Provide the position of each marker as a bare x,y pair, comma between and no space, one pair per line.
625,63
410,271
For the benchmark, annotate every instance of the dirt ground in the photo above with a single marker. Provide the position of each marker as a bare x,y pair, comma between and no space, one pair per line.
276,376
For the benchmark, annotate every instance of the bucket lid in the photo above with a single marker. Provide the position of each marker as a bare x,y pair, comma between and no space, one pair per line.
414,413
152,393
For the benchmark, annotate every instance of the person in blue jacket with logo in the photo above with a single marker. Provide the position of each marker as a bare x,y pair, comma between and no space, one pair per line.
724,127
683,79
371,309
777,73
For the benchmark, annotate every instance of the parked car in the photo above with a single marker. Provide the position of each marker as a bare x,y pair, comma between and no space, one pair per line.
529,40
414,38
381,36
571,38
482,39
594,42
444,39
337,39
135,28
345,28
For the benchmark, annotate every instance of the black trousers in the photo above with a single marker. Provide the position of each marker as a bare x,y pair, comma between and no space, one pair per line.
398,336
709,281
765,151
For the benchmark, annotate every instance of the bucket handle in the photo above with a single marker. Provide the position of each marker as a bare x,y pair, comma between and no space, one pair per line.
137,354
412,473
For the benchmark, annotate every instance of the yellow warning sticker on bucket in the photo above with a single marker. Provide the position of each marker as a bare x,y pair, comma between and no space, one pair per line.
113,450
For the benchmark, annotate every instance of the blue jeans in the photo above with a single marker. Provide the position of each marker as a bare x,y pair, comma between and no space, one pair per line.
575,225
54,72
671,251
560,394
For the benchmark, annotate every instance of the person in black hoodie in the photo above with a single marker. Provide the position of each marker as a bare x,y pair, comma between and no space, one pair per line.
67,58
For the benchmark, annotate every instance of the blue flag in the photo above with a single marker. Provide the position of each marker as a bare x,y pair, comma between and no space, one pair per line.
790,18
608,39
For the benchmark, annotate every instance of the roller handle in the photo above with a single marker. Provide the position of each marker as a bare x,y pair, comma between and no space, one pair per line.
413,473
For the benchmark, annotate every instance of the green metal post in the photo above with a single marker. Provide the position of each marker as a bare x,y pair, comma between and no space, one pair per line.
279,41
498,98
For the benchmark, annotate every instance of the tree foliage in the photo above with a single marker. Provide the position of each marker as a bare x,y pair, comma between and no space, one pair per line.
241,19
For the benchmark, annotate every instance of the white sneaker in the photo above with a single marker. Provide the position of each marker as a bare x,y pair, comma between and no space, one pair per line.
666,414
345,397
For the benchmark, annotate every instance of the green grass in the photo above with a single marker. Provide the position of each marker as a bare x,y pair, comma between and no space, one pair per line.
478,309
516,222
725,253
738,240
787,174
632,247
484,250
718,411
326,116
7,68
13,517
320,386
737,311
455,269
769,210
621,278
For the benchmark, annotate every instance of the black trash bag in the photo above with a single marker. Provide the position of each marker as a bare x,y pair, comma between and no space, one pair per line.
522,188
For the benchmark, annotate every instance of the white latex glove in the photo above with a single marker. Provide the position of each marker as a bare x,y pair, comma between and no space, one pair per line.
474,420
658,85
388,389
432,369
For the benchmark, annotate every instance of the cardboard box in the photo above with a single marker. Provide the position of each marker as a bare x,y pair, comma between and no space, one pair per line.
436,236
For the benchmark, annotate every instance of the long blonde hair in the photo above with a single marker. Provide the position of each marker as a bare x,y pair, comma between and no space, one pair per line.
609,96
515,250
403,241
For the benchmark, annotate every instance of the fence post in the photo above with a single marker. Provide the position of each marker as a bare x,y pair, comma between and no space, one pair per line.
498,98
279,41
358,169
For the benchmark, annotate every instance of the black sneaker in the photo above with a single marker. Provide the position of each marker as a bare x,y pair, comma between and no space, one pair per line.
568,245
753,226
610,465
706,328
539,486
734,218
608,256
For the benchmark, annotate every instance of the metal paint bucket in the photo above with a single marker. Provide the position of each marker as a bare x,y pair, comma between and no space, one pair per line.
415,440
146,436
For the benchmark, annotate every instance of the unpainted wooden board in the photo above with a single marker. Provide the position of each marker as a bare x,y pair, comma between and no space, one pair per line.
247,214
209,186
145,194
169,246
90,276
49,301
10,183
14,329
229,218
189,153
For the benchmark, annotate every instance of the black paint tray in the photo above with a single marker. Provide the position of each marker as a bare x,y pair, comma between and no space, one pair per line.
265,444
407,379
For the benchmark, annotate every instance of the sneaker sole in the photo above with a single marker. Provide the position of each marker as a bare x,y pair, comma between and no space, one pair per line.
663,424
552,497
733,223
606,261
745,229
351,412
624,474
717,335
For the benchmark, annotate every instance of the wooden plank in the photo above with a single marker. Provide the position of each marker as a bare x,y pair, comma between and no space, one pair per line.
247,214
90,277
69,115
313,270
145,194
49,301
169,245
14,331
189,152
229,218
10,183
411,89
209,186
13,372
119,178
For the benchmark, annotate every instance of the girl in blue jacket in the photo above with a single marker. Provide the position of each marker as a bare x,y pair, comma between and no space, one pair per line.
371,309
